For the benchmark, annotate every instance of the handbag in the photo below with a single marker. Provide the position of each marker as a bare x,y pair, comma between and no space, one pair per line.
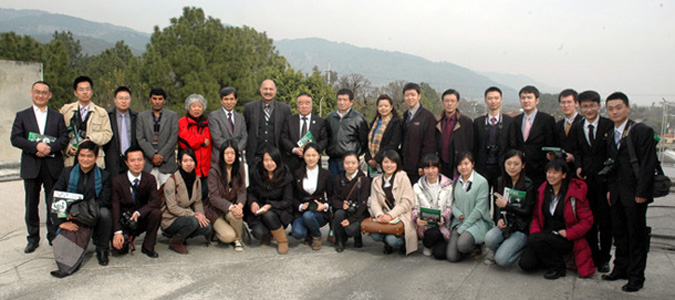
85,212
662,182
371,225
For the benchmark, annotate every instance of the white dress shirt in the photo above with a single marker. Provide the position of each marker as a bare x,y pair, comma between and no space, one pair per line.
41,117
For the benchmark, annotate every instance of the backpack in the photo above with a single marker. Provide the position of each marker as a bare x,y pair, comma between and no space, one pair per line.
662,182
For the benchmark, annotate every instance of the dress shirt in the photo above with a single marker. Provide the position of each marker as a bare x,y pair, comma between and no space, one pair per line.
531,117
41,117
467,184
595,129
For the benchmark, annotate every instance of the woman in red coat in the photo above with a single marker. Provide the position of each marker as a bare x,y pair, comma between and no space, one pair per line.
193,133
560,220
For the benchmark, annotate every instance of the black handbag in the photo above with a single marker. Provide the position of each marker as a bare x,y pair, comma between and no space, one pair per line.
85,212
662,182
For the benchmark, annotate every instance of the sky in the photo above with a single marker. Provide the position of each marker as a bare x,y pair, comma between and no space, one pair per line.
601,45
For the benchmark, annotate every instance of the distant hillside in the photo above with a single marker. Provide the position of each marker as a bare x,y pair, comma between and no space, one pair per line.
94,36
518,81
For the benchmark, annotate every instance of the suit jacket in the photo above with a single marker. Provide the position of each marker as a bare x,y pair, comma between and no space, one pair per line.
253,113
505,139
168,137
290,134
564,140
176,201
624,186
590,157
460,140
114,159
147,197
25,123
419,139
324,190
391,138
222,132
98,129
540,136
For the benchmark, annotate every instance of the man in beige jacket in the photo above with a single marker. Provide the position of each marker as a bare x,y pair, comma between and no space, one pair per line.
85,121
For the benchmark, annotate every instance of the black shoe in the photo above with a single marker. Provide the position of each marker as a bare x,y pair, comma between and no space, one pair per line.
402,250
151,254
358,241
614,276
387,249
58,274
30,247
339,246
631,286
102,256
603,267
555,274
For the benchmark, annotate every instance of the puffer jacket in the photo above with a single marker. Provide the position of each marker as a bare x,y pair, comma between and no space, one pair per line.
192,135
349,133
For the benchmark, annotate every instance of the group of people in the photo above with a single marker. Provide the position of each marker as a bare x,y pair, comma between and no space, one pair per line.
524,186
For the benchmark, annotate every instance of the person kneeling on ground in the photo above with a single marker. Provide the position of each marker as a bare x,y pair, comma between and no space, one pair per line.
350,202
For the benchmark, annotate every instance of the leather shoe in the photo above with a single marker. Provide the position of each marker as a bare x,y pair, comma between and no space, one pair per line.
151,254
30,247
614,276
102,256
339,246
603,267
555,274
387,249
58,274
358,241
631,286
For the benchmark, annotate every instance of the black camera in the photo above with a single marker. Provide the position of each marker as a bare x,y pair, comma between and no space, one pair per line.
313,206
607,167
492,150
353,207
127,224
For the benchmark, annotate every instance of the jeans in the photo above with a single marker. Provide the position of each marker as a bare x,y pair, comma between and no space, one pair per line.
507,251
311,221
335,166
390,239
187,227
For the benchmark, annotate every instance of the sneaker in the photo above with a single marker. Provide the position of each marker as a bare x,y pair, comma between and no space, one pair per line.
426,251
238,246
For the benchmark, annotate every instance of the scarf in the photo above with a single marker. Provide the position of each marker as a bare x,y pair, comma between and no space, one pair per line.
189,179
376,133
75,178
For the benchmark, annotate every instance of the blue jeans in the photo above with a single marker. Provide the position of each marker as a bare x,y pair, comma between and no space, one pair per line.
507,251
310,221
390,239
335,167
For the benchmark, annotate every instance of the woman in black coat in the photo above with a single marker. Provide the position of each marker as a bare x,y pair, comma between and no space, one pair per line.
386,131
350,202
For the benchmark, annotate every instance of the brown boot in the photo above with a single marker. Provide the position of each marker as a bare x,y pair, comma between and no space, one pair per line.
316,243
282,241
177,245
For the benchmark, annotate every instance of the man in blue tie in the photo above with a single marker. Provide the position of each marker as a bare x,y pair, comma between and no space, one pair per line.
123,124
136,206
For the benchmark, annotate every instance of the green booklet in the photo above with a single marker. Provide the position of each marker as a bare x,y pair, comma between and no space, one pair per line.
557,151
514,196
432,216
62,201
40,138
308,138
75,138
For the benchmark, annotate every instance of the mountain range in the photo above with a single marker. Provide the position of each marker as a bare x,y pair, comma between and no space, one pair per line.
379,66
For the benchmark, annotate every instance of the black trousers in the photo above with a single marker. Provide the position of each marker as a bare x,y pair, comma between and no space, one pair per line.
32,189
434,240
103,229
341,232
602,221
545,250
149,224
270,221
629,224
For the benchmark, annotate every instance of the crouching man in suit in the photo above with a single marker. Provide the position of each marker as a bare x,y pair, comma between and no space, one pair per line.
135,205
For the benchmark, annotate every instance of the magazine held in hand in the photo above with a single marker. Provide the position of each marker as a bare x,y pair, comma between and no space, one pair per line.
514,197
62,202
432,216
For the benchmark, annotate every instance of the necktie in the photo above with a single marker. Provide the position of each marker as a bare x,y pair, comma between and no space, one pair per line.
591,135
133,191
526,130
229,119
83,113
567,128
617,138
493,121
409,118
267,112
303,131
124,136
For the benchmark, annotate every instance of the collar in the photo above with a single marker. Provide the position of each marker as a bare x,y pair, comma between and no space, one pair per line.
414,110
227,111
38,111
314,172
621,127
470,178
80,107
308,116
343,115
490,117
532,115
263,103
131,177
353,175
594,123
451,117
118,113
571,119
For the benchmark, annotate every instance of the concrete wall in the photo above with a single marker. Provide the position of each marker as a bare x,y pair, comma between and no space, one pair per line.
16,79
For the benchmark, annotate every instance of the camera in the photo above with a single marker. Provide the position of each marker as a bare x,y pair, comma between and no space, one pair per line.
127,224
607,167
492,149
353,207
313,206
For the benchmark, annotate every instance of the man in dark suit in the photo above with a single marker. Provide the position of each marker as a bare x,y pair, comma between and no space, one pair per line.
533,131
297,126
157,135
419,132
135,192
41,162
454,133
567,99
588,142
629,193
494,136
264,120
123,123
226,124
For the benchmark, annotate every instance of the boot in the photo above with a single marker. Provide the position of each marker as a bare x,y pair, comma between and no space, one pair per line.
358,241
177,245
266,240
308,239
282,241
316,243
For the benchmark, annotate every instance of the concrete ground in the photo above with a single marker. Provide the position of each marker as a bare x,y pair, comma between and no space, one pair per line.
217,272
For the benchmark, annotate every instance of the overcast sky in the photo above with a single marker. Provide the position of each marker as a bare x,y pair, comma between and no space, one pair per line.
601,45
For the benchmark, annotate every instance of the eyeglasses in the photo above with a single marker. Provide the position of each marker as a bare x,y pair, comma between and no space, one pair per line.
41,93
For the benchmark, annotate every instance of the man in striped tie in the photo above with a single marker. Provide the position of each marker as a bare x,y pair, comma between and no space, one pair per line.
123,124
567,99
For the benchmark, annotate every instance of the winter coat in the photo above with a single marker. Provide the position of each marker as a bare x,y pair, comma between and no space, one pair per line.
442,202
192,136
